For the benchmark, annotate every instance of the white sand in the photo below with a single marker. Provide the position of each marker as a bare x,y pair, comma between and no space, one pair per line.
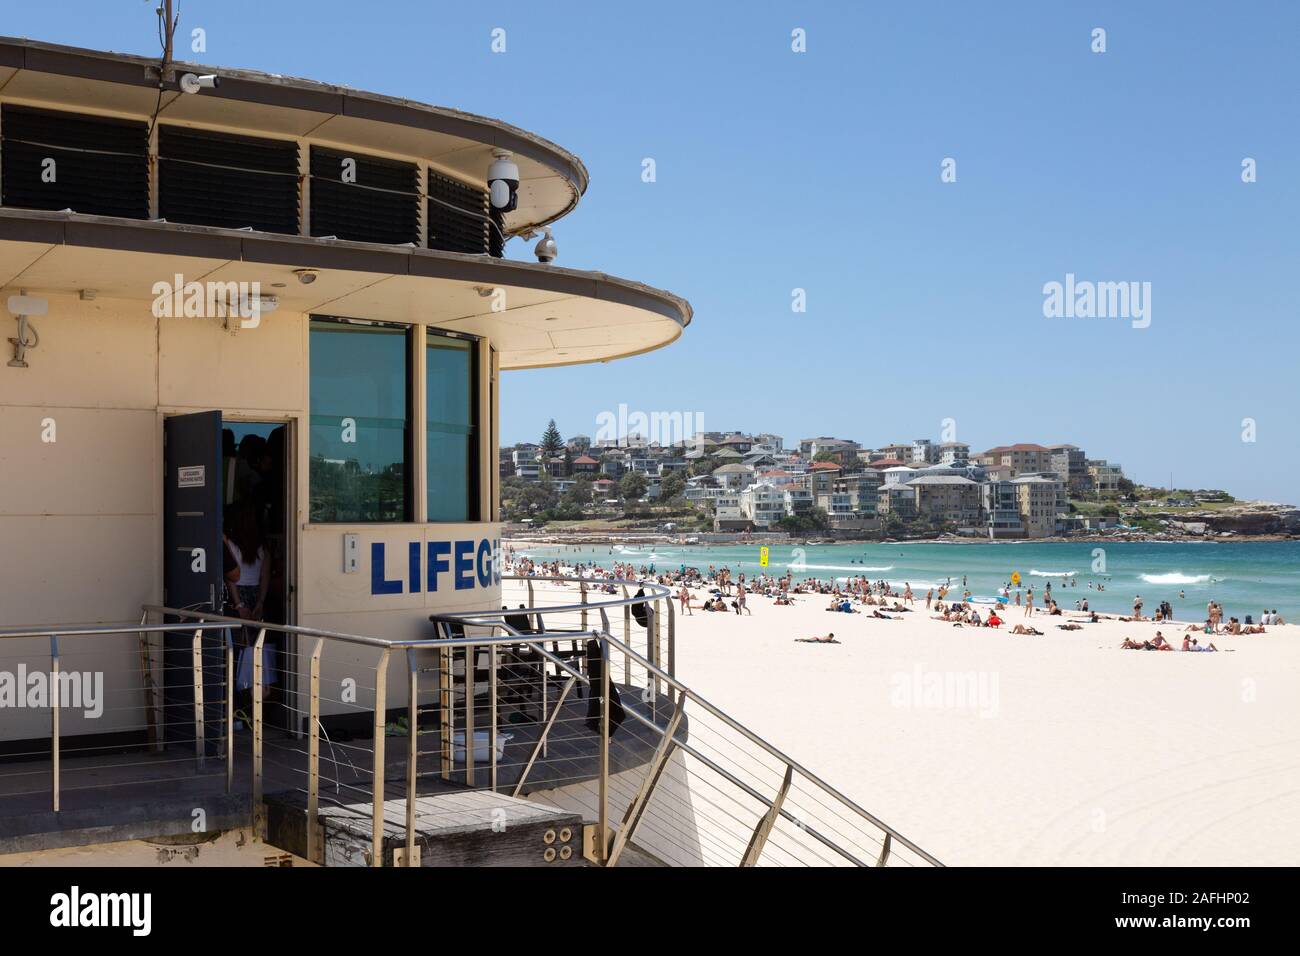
1076,752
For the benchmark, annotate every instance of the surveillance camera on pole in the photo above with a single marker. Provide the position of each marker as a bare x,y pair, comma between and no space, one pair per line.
503,181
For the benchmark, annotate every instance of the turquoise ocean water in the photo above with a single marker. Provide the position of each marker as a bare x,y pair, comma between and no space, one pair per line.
1244,577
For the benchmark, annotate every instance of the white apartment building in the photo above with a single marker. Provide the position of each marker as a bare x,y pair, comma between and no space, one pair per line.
764,505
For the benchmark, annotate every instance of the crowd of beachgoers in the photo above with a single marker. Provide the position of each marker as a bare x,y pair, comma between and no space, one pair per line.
716,590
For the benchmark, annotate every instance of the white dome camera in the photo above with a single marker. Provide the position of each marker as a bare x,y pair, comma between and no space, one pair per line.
503,181
546,249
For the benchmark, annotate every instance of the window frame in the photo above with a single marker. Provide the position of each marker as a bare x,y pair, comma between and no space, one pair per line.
410,334
474,495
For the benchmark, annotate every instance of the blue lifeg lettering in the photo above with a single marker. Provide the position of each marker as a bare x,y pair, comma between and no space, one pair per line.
438,552
464,565
485,567
378,583
413,562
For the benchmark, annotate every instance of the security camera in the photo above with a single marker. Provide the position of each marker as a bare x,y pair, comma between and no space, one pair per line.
546,250
192,83
503,181
305,276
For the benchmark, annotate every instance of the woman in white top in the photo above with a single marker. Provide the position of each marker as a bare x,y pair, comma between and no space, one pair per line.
248,544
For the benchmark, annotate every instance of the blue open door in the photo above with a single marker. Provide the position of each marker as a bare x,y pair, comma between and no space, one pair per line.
192,570
192,511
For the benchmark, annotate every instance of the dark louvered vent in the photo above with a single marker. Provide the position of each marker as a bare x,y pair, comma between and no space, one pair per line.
457,216
383,205
101,165
212,179
497,235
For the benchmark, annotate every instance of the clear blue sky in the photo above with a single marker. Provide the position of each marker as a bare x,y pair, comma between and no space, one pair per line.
820,170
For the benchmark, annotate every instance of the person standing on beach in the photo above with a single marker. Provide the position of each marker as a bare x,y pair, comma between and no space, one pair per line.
685,597
907,592
1137,607
1029,603
740,601
929,596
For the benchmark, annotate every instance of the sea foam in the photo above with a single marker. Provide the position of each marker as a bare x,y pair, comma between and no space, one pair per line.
1175,577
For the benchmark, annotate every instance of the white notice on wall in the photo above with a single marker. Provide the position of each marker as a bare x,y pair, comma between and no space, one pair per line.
191,476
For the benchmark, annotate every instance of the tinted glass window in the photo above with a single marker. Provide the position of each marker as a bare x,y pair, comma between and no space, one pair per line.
360,423
451,440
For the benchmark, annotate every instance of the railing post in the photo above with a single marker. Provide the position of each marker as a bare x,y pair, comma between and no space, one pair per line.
884,850
315,852
654,770
672,640
146,678
530,593
539,747
603,835
582,595
412,748
765,824
200,733
54,721
469,715
652,680
377,776
259,809
446,718
627,638
492,715
657,656
230,709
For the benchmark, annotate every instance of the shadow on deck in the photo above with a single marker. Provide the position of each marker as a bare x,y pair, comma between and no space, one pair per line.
110,795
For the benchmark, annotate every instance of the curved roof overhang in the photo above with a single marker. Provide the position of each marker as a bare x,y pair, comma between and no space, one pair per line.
552,316
551,178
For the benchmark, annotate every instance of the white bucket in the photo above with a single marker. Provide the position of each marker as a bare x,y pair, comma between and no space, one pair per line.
482,740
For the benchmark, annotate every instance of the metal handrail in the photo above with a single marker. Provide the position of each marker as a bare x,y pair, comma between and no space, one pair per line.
108,629
499,633
682,689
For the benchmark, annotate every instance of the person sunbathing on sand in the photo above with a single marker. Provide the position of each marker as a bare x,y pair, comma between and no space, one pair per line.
1197,647
828,639
1070,627
1132,645
1021,629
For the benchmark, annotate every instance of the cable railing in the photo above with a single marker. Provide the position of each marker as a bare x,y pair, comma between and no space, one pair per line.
79,728
713,792
550,702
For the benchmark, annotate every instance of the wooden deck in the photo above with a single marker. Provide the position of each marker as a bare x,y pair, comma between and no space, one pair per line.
141,794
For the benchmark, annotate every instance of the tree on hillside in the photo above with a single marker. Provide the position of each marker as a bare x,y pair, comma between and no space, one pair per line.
552,443
672,485
632,486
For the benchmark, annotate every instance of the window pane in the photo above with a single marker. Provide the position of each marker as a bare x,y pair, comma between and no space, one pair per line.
359,423
451,442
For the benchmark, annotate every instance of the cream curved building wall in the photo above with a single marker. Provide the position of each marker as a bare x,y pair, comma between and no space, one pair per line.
81,485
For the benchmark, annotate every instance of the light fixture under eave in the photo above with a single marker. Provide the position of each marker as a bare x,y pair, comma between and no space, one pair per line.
246,313
22,306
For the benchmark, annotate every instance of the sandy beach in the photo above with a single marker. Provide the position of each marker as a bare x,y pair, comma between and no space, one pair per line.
988,748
